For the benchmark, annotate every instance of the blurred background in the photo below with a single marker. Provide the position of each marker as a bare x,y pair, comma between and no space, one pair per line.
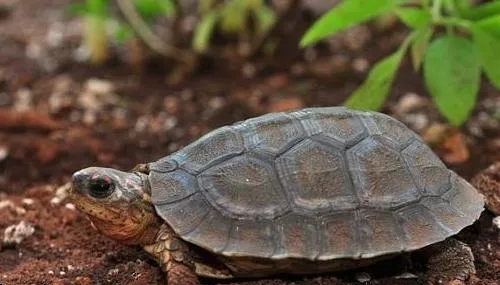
116,83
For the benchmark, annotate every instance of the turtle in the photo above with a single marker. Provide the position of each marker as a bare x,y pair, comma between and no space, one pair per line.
309,191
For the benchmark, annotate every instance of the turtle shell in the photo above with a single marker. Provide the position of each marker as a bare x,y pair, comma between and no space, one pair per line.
317,184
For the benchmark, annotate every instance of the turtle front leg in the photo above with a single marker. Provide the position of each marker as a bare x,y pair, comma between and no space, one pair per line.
174,258
448,261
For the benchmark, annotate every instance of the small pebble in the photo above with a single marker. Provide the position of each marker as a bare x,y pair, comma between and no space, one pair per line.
6,204
15,234
249,70
363,277
50,272
4,153
70,206
99,86
496,222
360,65
409,102
61,194
406,275
28,201
24,99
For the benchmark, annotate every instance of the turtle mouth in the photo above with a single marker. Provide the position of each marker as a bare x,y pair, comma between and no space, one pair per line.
95,210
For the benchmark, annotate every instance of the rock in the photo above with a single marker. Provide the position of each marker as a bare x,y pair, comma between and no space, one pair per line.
23,100
406,275
409,102
488,183
6,204
363,277
417,121
28,201
99,86
15,234
61,194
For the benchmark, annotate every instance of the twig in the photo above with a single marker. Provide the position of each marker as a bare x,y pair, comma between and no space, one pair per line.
259,42
150,39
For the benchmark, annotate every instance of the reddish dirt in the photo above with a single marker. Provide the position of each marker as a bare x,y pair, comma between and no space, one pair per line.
40,149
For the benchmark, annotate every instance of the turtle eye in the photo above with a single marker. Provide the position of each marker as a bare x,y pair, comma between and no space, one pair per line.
100,188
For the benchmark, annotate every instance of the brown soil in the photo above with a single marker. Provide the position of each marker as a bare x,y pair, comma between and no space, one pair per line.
43,147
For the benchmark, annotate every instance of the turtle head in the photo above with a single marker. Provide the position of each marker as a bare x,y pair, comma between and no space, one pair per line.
118,203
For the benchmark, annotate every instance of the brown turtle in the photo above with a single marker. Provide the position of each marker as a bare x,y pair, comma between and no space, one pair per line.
310,191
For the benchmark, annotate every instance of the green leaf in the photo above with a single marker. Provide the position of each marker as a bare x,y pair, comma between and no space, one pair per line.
265,18
149,9
490,25
233,17
420,44
488,47
452,76
372,93
482,11
413,17
345,15
98,8
123,32
203,31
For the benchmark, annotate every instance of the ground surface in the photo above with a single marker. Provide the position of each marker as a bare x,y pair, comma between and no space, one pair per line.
70,121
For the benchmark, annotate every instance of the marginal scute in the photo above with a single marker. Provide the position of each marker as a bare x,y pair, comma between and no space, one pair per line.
212,233
448,217
298,237
316,176
213,148
185,215
271,134
381,233
244,186
420,226
430,173
172,186
340,236
250,238
464,198
380,175
338,123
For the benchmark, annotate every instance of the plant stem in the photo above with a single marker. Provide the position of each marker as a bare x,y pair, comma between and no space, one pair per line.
453,22
436,9
150,39
259,42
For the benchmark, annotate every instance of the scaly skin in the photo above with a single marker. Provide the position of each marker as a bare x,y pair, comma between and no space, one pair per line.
119,206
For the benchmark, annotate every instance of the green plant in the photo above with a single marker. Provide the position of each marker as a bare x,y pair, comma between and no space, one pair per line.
231,17
97,17
452,58
95,14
